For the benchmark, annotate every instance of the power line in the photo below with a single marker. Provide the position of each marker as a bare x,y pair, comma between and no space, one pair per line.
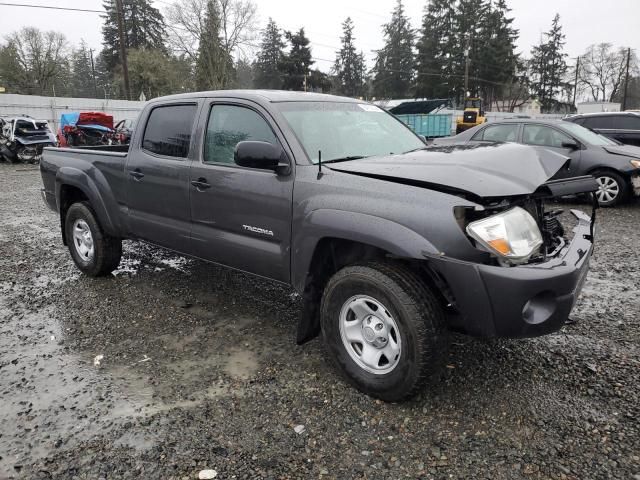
4,4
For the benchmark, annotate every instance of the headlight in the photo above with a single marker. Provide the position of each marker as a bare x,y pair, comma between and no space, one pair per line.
635,163
513,235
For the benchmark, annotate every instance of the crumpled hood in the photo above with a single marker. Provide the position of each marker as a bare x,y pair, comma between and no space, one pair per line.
626,150
485,170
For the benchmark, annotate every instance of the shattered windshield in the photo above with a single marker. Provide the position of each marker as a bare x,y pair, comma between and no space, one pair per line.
347,130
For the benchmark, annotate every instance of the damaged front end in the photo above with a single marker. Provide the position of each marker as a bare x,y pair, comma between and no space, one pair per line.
534,294
523,230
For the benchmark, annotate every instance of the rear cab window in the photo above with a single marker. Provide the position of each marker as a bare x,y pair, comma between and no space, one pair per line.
168,130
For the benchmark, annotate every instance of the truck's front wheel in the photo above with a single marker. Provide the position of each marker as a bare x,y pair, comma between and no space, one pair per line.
384,329
94,252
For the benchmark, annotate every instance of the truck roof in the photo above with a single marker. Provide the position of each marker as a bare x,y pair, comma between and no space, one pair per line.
272,96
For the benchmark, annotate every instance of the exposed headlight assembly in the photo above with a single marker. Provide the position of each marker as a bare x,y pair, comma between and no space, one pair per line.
512,235
635,163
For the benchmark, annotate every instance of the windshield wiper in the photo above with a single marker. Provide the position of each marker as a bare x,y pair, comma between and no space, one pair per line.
415,150
344,159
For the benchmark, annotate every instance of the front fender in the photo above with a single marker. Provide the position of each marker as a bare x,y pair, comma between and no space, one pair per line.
371,230
102,199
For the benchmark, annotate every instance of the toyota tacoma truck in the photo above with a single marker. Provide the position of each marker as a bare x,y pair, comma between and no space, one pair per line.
391,244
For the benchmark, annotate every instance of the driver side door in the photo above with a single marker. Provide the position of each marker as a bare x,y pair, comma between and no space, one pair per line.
240,216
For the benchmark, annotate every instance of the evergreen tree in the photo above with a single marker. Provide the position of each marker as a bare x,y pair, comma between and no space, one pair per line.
214,66
244,74
155,74
268,65
549,67
349,67
436,42
319,81
297,61
143,27
471,30
393,70
498,61
82,74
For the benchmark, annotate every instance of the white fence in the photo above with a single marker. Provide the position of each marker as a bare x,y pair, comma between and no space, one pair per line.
50,108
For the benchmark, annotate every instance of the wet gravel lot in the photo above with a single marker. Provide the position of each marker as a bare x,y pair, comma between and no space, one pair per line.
199,370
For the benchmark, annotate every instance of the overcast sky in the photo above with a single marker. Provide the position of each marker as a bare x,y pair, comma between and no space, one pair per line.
584,21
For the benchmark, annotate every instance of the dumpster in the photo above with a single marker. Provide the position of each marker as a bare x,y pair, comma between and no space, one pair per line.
431,125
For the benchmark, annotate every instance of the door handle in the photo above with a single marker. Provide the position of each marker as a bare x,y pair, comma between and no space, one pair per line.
201,183
136,174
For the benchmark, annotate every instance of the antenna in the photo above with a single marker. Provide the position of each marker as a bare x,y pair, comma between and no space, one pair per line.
319,163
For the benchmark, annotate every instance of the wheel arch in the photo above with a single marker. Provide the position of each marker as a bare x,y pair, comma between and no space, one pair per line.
74,185
348,238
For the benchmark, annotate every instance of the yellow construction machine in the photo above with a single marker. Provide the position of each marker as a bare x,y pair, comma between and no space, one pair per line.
473,114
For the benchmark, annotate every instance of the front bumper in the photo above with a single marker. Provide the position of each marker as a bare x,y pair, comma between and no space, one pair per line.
520,301
635,184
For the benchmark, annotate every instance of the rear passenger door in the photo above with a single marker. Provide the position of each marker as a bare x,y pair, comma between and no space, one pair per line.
158,177
539,135
241,217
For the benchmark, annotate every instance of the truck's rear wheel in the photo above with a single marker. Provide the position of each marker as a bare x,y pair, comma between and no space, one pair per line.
94,252
384,329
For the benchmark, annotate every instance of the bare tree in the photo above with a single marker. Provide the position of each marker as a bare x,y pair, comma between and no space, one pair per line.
42,56
602,71
186,22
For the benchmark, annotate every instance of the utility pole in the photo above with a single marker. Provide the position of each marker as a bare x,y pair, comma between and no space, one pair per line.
466,71
93,71
626,82
575,83
123,48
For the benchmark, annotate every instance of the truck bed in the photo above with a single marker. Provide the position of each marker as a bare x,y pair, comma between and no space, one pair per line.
99,171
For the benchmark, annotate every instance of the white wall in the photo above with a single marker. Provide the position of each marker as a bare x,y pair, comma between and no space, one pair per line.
50,108
597,107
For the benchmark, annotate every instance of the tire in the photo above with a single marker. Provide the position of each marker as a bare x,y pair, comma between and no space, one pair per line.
614,189
409,312
104,255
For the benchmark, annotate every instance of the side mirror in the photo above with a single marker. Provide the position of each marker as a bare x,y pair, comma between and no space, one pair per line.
262,155
572,145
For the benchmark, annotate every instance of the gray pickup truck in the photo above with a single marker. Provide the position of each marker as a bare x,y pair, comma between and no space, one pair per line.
390,243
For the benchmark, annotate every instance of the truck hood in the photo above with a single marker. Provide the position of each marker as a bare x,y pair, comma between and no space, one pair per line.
484,170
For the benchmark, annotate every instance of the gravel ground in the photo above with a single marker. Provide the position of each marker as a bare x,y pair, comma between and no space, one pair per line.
200,370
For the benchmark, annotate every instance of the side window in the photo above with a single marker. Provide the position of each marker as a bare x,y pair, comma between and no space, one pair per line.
598,122
544,136
626,122
168,130
230,124
499,133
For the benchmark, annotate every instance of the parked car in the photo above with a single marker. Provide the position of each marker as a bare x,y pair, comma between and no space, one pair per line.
621,126
22,138
390,244
616,167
